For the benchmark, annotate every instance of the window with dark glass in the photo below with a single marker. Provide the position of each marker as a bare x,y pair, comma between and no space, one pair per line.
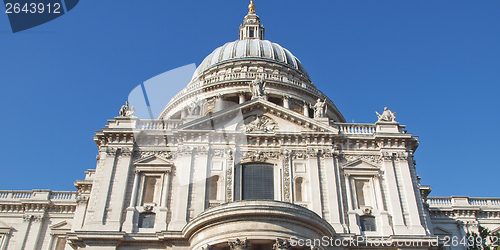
255,182
147,220
251,32
367,223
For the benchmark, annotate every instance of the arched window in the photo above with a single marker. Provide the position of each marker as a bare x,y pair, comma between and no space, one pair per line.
367,223
299,189
147,220
214,187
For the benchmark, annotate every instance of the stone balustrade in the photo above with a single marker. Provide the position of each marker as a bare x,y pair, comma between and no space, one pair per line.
37,195
357,128
462,201
157,124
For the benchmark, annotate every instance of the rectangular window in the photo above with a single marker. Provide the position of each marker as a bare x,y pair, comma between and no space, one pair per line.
251,34
257,182
151,190
363,193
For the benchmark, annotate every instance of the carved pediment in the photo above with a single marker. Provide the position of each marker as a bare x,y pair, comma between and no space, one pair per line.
361,167
361,164
258,124
153,160
231,119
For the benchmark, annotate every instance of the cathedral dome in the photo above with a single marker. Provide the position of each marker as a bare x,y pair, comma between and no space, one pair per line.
253,49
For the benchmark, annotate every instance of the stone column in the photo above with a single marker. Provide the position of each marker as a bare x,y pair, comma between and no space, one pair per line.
128,225
219,103
286,101
281,244
241,96
306,109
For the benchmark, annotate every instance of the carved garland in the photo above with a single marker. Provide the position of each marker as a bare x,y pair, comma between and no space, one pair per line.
229,176
286,176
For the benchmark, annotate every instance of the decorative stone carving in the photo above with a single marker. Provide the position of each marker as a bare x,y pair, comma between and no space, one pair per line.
257,87
162,154
367,211
126,151
229,181
281,244
27,217
126,110
286,176
300,154
259,156
194,107
110,151
259,123
397,156
210,105
319,109
238,244
203,150
370,158
148,208
386,116
82,199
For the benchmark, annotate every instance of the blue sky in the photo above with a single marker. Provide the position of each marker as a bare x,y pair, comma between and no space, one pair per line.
435,63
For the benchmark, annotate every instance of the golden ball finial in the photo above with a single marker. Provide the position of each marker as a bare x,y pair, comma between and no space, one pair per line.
251,8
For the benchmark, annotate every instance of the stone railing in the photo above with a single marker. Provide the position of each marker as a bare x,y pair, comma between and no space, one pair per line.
157,124
63,195
11,195
357,128
462,201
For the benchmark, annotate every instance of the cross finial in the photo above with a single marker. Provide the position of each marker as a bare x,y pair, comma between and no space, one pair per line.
251,8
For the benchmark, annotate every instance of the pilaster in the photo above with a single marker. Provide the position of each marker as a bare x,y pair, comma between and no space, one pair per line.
333,195
181,194
314,179
414,224
393,192
119,188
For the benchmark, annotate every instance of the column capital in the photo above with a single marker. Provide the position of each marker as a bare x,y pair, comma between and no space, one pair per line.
238,244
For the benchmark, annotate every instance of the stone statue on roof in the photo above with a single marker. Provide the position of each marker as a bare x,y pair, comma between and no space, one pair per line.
126,110
386,116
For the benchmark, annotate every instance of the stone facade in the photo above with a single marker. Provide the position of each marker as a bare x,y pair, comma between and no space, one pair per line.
250,155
